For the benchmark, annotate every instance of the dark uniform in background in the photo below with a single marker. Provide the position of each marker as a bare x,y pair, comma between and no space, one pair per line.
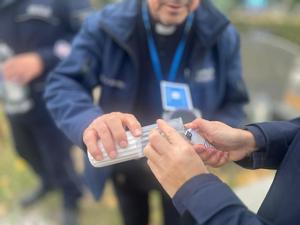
43,27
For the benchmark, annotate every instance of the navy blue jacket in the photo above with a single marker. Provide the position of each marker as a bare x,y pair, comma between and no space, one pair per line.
36,26
103,55
209,201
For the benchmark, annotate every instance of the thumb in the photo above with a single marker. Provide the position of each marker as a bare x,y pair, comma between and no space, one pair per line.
200,125
170,133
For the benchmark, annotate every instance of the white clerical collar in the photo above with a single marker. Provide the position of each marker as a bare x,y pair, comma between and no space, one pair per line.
164,30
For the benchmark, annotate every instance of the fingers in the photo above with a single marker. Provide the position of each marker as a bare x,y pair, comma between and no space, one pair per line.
217,159
224,160
23,68
152,155
158,142
106,139
205,154
117,121
212,157
90,138
195,124
114,124
133,124
11,71
109,129
200,125
170,133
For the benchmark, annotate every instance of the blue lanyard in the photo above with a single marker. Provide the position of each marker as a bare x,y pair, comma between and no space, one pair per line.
153,50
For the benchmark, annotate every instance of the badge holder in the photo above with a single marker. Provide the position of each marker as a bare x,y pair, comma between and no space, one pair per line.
186,115
175,96
177,102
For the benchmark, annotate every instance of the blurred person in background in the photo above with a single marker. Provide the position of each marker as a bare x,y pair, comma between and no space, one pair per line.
196,192
130,48
34,37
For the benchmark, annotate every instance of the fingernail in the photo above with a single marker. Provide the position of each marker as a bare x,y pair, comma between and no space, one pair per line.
113,155
99,157
137,132
123,144
200,150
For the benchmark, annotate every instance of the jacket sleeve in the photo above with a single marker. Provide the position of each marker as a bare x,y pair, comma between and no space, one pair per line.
69,87
71,15
207,200
273,140
235,94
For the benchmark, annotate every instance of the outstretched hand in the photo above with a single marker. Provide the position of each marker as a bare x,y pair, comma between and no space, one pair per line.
110,130
230,144
171,158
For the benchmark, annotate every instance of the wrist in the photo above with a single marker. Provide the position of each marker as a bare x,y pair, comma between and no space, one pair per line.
250,143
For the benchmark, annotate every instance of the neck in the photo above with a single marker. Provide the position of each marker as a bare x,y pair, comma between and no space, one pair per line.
162,29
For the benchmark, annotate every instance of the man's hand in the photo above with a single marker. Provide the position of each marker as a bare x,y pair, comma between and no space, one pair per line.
231,144
211,156
110,130
23,68
171,158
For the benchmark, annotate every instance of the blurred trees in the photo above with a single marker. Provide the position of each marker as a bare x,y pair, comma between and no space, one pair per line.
224,5
292,2
227,5
100,3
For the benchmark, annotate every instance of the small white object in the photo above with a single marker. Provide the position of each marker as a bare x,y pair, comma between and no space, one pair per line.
164,29
176,95
196,138
16,98
62,49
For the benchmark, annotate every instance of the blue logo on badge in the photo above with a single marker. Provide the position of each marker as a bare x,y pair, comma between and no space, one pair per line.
175,96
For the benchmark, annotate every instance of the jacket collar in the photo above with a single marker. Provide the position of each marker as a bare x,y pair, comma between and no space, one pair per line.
210,23
119,20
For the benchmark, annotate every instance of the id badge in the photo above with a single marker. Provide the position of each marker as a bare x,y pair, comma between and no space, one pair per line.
175,96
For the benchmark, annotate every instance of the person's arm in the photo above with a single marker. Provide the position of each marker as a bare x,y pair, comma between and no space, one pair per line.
231,111
261,145
273,140
69,87
208,200
69,97
195,192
